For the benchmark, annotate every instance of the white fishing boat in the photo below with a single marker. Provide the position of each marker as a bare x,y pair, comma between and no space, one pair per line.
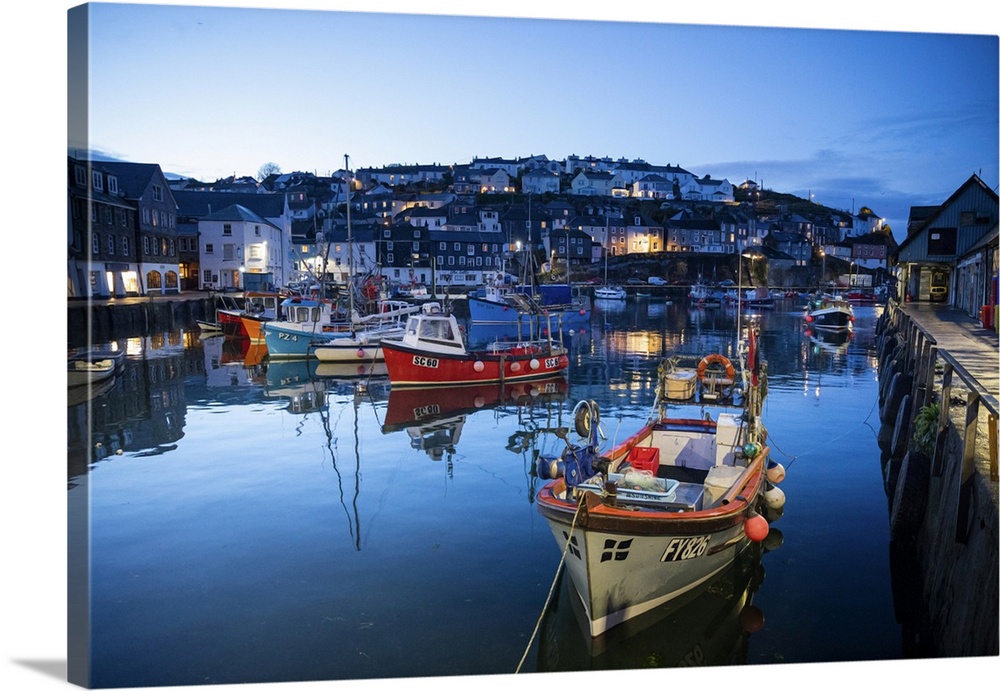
670,507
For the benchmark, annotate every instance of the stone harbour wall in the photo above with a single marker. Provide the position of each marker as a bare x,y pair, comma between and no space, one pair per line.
942,495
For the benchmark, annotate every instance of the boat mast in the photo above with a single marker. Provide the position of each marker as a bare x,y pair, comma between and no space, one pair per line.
350,246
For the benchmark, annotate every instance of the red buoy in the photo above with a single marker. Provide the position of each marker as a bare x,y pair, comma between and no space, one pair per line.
756,527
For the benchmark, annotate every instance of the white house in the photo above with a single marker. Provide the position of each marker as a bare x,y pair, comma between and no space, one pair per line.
540,181
708,189
235,241
590,182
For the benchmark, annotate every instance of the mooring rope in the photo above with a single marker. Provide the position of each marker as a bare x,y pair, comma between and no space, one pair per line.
555,580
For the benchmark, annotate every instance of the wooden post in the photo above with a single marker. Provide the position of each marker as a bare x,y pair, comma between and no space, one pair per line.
943,420
962,527
992,434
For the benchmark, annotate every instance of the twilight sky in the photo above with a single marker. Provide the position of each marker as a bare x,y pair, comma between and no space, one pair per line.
882,118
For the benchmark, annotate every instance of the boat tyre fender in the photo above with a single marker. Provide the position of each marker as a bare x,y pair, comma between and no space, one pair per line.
901,432
898,388
910,498
586,416
715,358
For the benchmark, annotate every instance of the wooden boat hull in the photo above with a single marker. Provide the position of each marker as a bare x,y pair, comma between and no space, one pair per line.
253,327
490,312
408,366
294,341
833,318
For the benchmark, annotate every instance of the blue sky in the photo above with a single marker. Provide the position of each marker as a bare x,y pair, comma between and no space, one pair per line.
884,117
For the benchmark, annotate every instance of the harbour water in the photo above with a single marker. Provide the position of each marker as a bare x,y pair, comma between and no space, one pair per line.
269,522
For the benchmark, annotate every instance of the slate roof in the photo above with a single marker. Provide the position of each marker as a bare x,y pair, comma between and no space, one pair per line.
201,204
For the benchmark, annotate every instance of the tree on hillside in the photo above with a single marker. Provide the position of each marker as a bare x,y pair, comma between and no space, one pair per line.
268,168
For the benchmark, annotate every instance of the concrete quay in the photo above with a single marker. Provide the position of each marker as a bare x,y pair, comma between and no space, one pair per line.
98,320
943,493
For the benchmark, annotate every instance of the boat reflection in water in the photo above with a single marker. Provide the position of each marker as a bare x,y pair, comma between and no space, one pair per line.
306,383
709,626
834,342
433,417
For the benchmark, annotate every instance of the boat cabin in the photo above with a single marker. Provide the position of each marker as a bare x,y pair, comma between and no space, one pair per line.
433,330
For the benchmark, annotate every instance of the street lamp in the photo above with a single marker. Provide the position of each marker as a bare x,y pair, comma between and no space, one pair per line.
822,273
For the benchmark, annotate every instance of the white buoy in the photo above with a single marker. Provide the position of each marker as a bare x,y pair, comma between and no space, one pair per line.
774,498
534,364
478,365
775,472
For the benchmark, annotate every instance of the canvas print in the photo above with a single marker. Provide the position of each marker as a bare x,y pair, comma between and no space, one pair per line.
412,347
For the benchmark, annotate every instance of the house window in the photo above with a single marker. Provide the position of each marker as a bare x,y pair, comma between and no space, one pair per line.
256,230
109,216
386,234
156,219
227,228
451,260
123,217
157,193
416,234
458,247
145,245
163,247
113,185
390,258
389,246
416,247
81,176
209,248
442,246
228,252
253,252
941,240
125,246
93,212
170,247
207,276
95,243
156,247
440,260
470,250
96,179
111,245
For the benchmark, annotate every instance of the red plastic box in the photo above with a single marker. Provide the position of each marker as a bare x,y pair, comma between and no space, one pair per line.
644,458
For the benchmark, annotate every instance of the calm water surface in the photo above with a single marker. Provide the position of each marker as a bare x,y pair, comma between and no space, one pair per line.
263,522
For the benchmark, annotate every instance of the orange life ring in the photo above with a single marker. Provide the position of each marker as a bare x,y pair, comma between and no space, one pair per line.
712,359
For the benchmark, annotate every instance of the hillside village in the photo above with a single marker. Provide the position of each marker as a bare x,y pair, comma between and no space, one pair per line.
133,230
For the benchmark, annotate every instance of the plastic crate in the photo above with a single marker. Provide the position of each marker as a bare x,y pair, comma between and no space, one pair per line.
644,458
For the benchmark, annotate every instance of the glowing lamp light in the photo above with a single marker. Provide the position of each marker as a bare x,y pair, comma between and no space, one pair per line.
756,527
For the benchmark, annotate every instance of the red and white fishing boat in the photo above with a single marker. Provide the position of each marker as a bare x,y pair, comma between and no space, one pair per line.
670,507
433,351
